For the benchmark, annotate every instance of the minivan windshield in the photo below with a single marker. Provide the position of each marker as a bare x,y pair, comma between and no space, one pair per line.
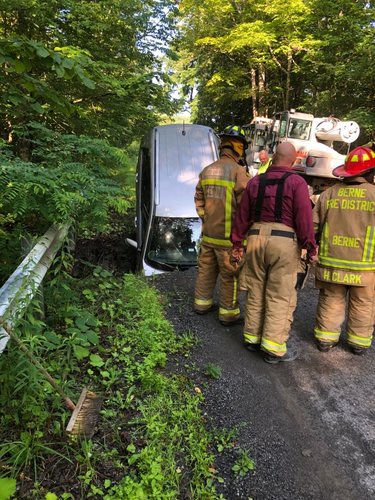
174,242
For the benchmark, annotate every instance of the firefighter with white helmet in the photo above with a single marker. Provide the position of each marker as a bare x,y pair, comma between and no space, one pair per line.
217,196
344,220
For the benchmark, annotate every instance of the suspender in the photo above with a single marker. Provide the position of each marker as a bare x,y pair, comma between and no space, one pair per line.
263,182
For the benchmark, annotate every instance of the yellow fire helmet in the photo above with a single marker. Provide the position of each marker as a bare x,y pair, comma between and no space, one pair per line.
234,131
235,144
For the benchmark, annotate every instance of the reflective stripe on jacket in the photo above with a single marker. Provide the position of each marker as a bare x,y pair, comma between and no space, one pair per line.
344,216
217,196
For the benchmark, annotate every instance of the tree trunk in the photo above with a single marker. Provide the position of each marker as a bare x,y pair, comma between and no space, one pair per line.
254,91
288,73
261,89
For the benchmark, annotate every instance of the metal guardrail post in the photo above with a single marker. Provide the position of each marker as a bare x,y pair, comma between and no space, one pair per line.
18,291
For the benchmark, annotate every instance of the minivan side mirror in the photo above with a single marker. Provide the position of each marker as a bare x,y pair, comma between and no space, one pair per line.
131,243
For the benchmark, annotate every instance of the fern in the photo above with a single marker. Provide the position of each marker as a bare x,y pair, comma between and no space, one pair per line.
70,178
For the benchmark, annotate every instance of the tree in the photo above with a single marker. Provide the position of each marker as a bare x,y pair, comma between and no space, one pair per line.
340,78
249,45
78,78
85,67
248,58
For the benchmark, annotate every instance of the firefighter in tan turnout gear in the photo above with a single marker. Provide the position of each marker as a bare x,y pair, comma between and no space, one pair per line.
344,219
276,216
217,196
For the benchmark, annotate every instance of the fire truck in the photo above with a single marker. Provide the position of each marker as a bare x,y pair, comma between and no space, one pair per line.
321,143
256,133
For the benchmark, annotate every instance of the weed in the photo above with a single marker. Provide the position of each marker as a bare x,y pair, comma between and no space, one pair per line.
212,371
244,464
27,451
112,334
7,487
225,439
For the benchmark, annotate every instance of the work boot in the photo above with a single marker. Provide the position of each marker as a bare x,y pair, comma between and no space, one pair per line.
204,311
290,355
359,351
238,321
251,347
325,346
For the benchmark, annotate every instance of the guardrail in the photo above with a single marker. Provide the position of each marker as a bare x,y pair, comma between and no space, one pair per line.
18,291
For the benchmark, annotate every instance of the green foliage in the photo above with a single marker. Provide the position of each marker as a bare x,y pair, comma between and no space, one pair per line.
86,67
244,464
243,59
7,488
151,437
70,179
225,439
27,451
26,93
238,53
172,422
213,371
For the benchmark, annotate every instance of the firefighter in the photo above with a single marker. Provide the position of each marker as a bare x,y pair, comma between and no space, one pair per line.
344,222
217,196
276,216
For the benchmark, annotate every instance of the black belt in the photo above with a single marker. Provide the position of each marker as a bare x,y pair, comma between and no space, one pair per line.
274,232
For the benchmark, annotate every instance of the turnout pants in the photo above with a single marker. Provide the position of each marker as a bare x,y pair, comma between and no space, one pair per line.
330,316
210,267
272,262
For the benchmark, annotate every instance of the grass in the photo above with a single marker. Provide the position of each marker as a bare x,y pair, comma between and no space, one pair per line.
109,334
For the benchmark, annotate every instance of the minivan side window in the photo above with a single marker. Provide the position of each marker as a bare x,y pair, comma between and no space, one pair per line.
144,189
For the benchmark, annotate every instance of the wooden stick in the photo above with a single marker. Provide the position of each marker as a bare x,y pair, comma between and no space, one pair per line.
69,403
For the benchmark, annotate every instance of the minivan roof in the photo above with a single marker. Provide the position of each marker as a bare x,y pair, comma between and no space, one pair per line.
180,152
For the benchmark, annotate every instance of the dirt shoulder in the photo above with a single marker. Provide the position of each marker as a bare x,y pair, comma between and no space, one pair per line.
308,425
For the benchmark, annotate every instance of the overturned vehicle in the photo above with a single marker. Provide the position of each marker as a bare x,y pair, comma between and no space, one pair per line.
167,226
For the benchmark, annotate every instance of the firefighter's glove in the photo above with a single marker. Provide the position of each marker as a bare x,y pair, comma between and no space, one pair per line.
234,260
302,274
236,255
201,213
313,259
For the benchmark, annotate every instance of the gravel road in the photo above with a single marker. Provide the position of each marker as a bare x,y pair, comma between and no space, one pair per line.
308,425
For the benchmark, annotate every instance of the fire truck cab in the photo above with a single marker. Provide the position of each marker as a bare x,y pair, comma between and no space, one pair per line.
321,143
256,133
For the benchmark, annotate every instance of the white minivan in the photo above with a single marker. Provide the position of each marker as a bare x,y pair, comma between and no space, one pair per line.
167,226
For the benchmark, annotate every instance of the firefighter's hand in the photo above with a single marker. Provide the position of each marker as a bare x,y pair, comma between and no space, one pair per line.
313,259
201,214
236,254
233,261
